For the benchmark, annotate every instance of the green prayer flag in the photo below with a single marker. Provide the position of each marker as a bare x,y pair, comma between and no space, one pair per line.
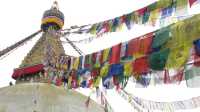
158,60
152,6
161,37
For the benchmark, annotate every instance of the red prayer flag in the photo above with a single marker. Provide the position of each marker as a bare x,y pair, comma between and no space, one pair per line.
166,77
141,65
122,19
101,57
133,47
145,43
95,72
142,11
73,74
115,54
94,57
140,45
192,2
179,76
106,26
90,83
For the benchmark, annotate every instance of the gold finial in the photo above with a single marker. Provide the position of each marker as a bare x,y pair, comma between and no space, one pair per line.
55,2
55,5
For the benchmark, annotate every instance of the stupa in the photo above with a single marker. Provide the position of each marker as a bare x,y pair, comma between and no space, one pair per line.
32,93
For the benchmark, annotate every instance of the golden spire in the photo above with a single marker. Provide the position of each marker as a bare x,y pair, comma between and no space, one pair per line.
55,5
